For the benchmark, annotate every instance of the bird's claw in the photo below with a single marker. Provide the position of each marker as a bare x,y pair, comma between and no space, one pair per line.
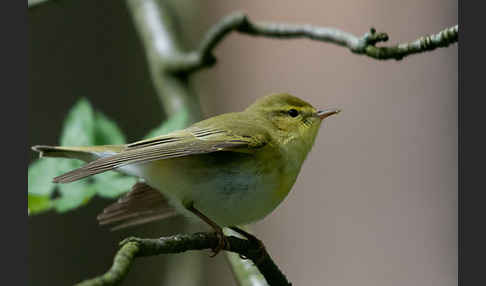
222,243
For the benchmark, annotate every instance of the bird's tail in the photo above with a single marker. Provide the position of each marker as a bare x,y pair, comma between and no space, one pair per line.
84,153
141,205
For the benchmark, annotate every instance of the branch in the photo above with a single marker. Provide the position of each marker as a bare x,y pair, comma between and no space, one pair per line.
140,247
364,45
32,3
244,271
155,23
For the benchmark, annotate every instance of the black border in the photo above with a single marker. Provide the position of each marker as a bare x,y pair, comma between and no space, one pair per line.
15,155
472,144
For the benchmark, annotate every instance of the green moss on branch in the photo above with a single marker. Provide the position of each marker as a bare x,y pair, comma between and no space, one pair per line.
140,247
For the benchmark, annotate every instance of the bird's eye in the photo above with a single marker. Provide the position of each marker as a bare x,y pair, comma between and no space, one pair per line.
292,112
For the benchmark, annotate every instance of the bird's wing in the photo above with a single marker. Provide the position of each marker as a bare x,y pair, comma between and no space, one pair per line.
191,141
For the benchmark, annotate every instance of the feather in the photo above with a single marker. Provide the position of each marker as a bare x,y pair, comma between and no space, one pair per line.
84,153
141,205
177,144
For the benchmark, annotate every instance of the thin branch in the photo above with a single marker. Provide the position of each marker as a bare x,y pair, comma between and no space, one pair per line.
140,247
364,45
32,3
244,271
121,265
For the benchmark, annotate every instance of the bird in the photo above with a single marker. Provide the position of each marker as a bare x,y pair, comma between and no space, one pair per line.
228,170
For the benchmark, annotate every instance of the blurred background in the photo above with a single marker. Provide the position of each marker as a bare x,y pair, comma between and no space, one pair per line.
376,200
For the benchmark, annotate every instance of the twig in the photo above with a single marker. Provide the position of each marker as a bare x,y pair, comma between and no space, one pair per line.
140,247
244,271
364,45
121,266
32,3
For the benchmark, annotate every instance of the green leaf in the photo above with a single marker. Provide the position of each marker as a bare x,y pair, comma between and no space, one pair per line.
40,174
112,184
82,127
74,195
38,204
107,131
178,121
79,125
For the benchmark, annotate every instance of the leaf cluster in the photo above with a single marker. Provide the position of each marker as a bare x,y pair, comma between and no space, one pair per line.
83,126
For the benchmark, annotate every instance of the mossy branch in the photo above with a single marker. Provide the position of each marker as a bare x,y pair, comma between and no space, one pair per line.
364,45
119,269
140,247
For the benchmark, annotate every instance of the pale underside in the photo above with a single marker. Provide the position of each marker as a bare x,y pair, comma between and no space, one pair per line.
229,188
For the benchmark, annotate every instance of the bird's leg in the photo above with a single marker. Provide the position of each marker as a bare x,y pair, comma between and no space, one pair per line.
222,241
261,247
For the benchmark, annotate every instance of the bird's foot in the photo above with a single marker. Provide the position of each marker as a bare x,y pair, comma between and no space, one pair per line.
222,243
222,240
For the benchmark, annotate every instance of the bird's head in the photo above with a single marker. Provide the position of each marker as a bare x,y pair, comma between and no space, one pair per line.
294,122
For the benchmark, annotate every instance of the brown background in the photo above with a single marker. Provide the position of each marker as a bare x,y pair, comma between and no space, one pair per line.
376,201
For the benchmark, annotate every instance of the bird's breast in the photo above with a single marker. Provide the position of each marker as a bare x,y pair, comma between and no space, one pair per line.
230,188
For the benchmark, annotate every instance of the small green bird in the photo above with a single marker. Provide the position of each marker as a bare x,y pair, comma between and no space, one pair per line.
228,170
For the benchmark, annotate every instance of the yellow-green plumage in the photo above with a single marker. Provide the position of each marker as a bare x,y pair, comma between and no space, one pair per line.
234,168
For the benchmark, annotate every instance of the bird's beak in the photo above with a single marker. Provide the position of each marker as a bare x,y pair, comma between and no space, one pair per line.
327,112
